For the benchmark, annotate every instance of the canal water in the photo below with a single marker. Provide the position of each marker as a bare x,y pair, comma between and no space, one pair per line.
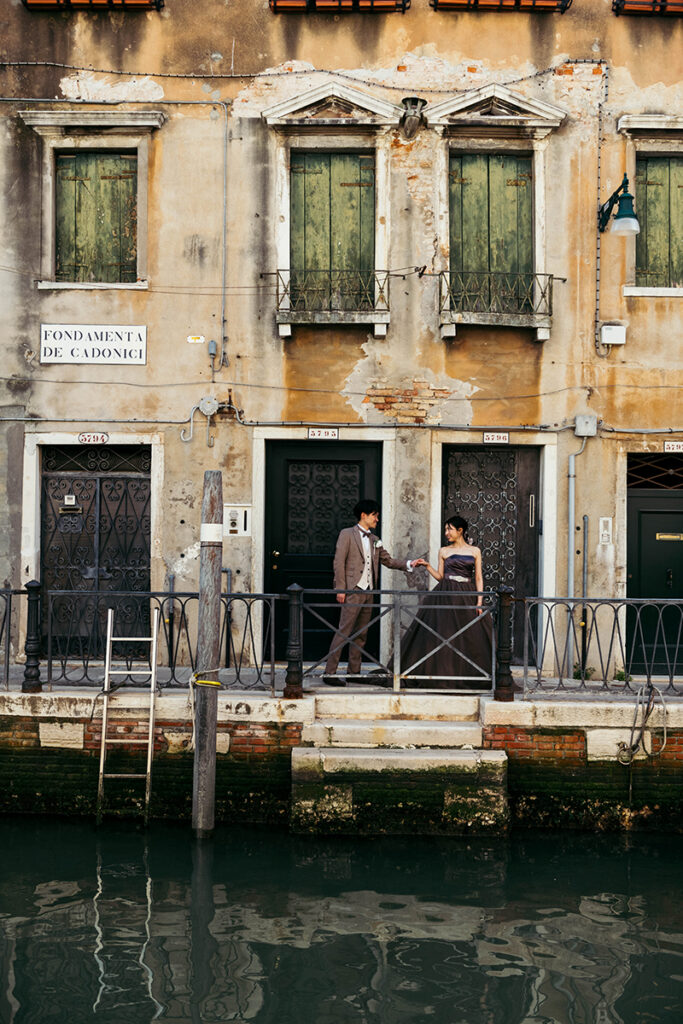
118,924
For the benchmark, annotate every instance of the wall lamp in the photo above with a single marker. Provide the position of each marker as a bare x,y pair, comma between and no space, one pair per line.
412,118
625,221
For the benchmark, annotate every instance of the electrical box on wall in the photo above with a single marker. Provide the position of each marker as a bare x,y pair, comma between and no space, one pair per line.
237,520
613,334
586,425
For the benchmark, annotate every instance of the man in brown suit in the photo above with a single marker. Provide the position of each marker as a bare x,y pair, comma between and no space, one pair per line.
357,559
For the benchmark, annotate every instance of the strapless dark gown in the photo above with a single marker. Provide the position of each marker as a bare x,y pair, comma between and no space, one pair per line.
449,608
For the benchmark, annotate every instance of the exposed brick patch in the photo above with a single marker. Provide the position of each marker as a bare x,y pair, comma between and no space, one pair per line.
410,403
536,744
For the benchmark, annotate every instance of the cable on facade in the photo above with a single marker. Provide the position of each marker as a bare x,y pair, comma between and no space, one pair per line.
240,75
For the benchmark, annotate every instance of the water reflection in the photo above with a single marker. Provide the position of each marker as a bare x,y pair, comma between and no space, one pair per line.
120,925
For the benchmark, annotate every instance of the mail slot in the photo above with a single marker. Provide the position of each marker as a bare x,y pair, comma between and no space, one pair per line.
669,536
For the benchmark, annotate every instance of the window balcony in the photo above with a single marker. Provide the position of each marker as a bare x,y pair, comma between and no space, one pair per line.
497,300
94,5
648,7
308,6
537,6
333,297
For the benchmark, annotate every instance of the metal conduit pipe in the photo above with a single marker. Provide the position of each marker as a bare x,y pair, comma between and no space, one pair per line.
571,492
571,516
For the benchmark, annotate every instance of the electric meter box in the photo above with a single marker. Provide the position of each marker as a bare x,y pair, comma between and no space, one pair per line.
613,334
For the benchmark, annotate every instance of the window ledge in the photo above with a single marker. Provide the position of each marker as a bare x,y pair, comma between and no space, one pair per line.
653,293
85,286
538,322
286,318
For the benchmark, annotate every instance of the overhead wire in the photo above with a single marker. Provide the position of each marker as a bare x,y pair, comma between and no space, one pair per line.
286,73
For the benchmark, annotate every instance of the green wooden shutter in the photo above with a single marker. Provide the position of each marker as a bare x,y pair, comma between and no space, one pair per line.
332,229
96,217
491,231
659,207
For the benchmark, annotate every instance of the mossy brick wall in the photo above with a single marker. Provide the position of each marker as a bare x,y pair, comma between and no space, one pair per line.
552,784
252,776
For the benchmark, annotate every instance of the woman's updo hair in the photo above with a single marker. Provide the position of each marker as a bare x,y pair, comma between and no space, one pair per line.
458,523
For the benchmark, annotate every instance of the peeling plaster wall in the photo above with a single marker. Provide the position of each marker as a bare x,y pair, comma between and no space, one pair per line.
337,374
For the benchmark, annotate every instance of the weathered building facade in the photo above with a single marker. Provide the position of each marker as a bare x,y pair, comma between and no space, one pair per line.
228,244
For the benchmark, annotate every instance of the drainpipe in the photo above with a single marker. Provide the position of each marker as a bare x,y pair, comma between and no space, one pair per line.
585,426
571,490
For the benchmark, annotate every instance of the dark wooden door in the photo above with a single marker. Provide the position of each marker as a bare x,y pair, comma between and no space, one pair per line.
655,570
95,540
311,488
496,489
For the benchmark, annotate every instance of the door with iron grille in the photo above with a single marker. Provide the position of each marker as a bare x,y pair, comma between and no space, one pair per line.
496,489
95,544
654,560
311,489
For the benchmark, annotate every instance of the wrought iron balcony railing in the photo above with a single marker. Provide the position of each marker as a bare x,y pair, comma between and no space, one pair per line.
94,5
672,7
307,6
332,291
501,5
524,300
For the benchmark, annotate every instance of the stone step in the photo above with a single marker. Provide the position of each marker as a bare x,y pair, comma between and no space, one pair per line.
356,790
388,732
315,762
416,707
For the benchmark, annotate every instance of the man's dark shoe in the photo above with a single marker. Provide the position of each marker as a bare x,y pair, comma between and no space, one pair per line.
334,681
372,679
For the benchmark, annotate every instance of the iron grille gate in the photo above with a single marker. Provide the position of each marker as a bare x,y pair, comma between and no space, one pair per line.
496,490
95,539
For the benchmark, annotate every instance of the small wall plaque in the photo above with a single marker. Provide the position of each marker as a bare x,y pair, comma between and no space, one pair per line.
97,438
496,437
673,446
323,433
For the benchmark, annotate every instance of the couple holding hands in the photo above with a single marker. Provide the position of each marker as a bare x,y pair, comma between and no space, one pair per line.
451,607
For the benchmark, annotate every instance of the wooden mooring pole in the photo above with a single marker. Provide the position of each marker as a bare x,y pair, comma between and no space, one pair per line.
208,655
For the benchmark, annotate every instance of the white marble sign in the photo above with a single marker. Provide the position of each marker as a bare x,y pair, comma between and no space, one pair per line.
122,345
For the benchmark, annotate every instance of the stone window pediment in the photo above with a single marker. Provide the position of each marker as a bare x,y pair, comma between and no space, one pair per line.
496,111
335,106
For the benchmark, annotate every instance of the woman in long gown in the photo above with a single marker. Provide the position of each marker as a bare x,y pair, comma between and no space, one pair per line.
451,637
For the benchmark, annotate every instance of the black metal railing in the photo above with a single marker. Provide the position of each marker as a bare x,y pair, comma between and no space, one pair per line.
601,645
464,291
8,603
450,645
579,646
332,291
74,633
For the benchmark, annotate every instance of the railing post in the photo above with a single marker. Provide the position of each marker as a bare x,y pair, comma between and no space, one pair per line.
294,678
504,684
32,683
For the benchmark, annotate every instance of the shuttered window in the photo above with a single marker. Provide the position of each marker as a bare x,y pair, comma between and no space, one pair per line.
332,230
491,233
96,217
490,213
659,206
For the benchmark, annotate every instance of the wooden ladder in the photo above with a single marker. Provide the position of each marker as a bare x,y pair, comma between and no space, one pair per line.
110,741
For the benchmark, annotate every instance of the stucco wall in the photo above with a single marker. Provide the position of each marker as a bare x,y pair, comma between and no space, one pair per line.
483,376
